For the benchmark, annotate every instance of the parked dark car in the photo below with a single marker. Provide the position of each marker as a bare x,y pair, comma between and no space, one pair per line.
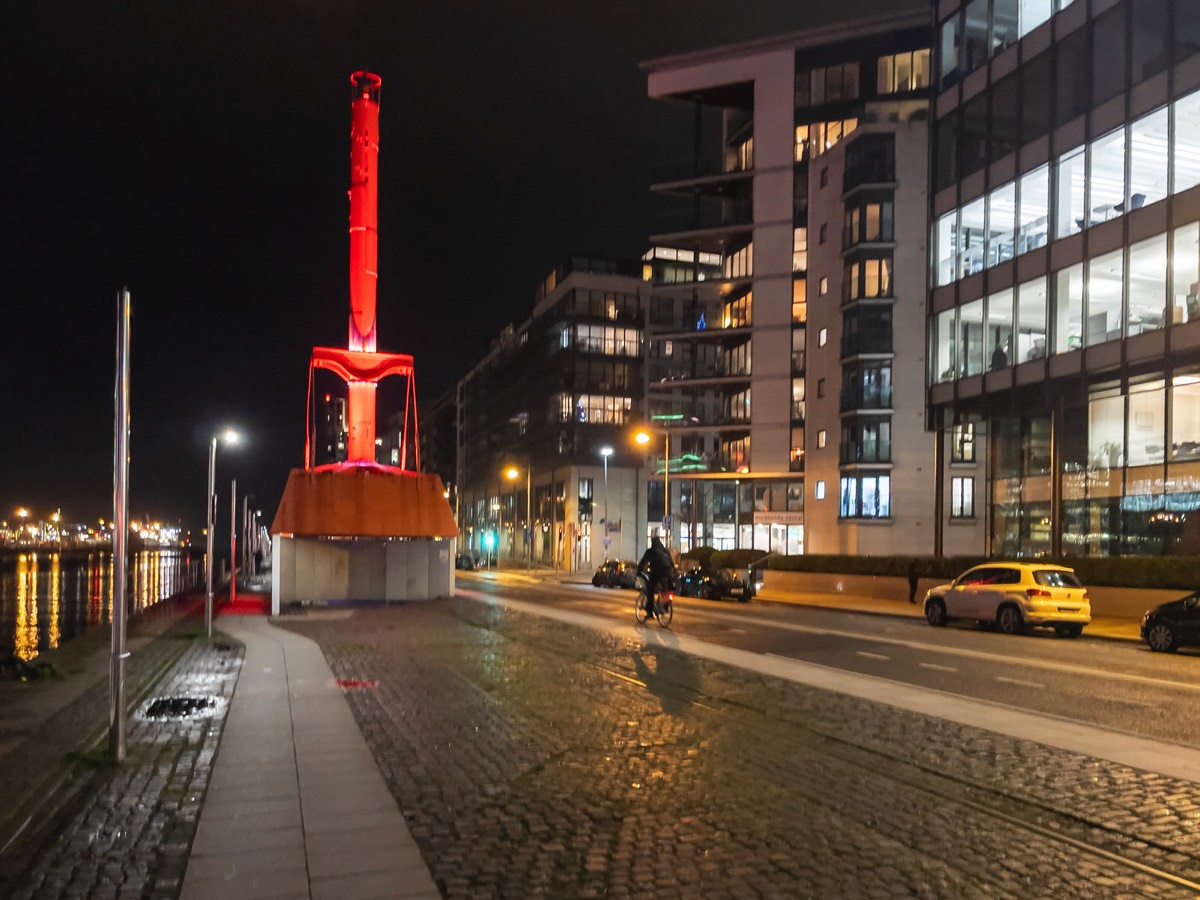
1172,625
714,584
464,561
698,583
615,573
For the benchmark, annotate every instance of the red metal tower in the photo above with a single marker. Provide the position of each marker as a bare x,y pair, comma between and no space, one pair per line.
359,365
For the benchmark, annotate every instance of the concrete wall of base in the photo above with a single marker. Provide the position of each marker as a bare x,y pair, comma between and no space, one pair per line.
311,571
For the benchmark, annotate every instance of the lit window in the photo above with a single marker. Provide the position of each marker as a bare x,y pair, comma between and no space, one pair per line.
962,447
822,337
821,439
820,490
866,497
823,286
962,498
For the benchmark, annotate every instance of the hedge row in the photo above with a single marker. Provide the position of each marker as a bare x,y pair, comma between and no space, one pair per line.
1165,572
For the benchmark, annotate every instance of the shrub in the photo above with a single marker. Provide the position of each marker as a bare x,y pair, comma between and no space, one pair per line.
1163,572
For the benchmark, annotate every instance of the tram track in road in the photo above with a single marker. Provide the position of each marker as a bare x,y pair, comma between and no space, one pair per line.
1016,819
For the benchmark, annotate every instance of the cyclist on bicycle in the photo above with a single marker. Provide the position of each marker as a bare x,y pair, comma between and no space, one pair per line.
658,567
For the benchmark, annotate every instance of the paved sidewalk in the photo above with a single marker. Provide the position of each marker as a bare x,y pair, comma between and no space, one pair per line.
297,806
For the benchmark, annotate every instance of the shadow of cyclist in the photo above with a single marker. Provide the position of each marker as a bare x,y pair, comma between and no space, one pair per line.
671,676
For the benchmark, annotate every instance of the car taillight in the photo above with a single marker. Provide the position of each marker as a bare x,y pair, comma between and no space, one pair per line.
1085,596
1036,592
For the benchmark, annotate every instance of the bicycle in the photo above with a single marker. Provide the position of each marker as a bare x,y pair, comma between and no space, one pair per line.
664,603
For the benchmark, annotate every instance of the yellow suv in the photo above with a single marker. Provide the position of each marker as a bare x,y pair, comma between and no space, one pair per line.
1013,596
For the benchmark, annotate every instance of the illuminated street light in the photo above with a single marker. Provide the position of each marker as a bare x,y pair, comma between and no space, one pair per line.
644,437
513,473
229,436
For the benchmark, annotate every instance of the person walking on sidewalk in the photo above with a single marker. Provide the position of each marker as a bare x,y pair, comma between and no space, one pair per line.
914,575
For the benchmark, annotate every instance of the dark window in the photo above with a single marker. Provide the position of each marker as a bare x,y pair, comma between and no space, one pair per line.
822,233
946,162
802,89
1150,39
824,177
870,159
820,387
662,310
1035,98
1006,117
973,139
1108,54
867,330
1072,80
1185,30
975,35
951,62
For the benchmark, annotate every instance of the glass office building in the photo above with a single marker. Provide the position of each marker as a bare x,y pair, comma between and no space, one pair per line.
1064,314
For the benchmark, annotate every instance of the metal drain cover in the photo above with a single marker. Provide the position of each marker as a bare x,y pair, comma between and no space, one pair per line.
179,707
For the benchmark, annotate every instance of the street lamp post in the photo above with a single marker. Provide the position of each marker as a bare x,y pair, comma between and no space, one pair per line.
229,437
606,452
499,510
513,473
643,437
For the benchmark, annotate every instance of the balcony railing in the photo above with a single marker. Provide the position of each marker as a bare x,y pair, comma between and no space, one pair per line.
728,215
866,397
857,344
706,166
869,451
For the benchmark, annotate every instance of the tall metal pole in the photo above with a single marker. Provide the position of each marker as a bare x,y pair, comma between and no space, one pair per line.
208,554
116,708
667,487
233,542
247,536
605,453
528,518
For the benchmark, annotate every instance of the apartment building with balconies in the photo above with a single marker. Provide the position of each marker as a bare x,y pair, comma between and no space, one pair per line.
806,179
535,414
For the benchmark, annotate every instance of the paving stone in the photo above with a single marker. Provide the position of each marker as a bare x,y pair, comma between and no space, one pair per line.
503,739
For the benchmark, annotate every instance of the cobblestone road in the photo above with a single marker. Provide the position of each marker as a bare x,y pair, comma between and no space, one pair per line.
536,759
121,831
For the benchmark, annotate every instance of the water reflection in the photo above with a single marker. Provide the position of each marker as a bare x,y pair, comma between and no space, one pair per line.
47,598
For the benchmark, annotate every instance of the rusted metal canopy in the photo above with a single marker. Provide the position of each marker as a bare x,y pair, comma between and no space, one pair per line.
367,500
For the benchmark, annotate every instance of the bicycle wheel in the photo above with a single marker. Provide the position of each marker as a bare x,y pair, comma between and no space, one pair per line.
664,611
639,606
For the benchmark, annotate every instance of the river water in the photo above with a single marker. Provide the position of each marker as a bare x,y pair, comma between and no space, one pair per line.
48,598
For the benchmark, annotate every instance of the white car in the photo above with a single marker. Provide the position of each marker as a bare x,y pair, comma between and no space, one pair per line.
1013,596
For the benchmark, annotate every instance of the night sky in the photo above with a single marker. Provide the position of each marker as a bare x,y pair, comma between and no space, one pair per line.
198,153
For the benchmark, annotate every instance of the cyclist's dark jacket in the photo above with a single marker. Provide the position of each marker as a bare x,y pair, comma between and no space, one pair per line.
657,563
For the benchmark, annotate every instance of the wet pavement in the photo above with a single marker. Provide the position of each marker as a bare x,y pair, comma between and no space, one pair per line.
534,758
537,759
83,827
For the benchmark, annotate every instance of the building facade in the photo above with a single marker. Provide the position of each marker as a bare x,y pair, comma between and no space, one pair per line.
537,412
1064,324
795,409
